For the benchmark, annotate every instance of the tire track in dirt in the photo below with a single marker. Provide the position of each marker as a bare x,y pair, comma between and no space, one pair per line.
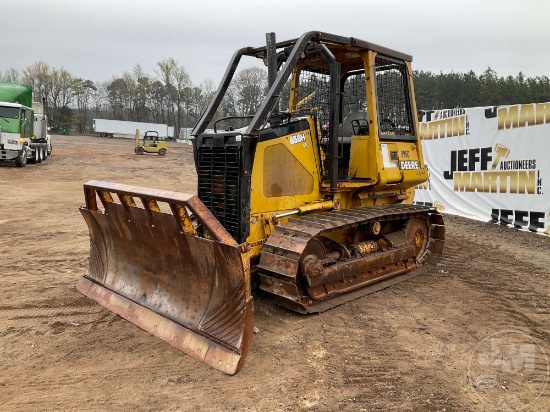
45,312
512,277
113,385
513,287
371,364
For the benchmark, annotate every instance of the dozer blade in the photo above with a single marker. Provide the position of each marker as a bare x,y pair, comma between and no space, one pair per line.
187,286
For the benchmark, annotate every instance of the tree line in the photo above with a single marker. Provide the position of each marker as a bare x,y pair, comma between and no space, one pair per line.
170,96
459,90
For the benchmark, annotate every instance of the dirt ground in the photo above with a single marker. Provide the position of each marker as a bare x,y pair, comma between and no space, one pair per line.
411,347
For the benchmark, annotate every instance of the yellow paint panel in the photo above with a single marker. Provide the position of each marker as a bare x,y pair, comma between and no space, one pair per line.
284,175
363,158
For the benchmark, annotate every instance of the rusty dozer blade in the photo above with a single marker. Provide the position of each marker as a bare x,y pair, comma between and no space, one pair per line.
186,286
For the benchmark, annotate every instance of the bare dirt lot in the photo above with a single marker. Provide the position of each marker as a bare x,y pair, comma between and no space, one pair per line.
411,347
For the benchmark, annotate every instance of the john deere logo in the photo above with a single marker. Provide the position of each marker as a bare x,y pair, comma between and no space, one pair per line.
409,165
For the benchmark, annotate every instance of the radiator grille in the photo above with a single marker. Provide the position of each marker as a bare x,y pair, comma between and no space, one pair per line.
219,184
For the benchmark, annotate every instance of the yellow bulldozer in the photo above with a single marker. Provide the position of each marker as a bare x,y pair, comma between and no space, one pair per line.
311,201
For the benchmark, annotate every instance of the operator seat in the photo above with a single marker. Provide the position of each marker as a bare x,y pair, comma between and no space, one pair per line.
347,124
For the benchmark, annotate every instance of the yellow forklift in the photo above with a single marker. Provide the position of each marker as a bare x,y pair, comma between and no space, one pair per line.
151,143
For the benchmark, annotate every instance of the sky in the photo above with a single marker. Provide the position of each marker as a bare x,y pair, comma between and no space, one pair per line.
100,39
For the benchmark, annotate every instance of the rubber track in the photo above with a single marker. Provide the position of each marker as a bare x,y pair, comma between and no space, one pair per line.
287,242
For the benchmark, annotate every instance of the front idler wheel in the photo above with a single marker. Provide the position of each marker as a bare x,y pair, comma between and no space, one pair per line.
417,230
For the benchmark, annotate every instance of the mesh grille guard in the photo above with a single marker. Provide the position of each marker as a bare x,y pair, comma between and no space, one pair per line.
222,185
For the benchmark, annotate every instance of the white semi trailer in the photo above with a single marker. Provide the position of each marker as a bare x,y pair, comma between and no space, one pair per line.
121,128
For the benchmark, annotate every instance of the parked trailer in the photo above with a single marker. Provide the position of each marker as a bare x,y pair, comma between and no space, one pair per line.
23,126
41,125
120,128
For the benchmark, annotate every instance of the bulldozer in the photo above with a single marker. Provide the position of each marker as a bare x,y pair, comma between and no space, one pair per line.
311,201
151,143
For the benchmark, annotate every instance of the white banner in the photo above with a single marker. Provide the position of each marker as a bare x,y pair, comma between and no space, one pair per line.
489,163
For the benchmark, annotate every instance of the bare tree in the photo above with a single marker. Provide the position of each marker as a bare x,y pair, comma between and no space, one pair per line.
251,86
11,75
158,101
99,102
131,95
245,93
59,95
83,90
118,96
177,82
139,93
37,75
